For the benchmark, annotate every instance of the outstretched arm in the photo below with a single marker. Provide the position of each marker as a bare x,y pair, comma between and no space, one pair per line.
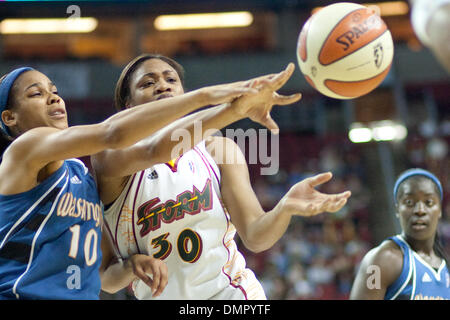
113,167
260,230
165,144
38,147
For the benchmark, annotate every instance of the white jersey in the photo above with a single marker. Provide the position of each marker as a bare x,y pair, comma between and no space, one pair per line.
174,212
420,16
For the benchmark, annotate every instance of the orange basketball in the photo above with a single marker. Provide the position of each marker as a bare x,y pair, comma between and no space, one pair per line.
345,50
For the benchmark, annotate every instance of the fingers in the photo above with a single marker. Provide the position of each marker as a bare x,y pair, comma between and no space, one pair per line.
277,80
156,276
228,93
237,92
320,179
153,272
329,203
265,77
345,194
162,280
272,83
270,124
336,202
258,83
280,79
141,274
337,206
285,100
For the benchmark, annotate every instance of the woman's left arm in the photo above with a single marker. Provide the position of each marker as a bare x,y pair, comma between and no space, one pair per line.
260,230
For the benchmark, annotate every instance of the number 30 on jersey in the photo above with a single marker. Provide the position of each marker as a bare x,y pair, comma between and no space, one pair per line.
189,246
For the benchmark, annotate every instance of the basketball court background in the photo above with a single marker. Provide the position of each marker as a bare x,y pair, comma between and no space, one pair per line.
318,257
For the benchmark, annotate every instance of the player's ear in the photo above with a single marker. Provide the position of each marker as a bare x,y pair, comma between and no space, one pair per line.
9,118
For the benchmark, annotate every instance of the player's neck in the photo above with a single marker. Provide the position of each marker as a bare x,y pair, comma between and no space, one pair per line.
424,246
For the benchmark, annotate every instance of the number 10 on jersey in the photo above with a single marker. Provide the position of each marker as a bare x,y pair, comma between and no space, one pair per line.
91,239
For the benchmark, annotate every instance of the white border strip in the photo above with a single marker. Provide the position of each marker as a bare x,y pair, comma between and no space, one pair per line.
408,277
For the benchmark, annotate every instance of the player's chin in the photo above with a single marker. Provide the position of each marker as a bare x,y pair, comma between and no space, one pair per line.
60,124
420,233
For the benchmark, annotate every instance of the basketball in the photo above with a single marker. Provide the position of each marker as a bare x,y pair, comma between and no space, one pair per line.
345,50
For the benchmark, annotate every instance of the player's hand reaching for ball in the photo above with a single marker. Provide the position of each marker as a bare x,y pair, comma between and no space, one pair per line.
257,105
304,200
151,271
225,93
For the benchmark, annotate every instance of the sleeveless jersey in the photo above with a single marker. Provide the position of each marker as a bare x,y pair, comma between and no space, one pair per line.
418,280
50,238
174,212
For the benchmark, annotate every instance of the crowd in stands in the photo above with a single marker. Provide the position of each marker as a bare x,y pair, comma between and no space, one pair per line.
318,256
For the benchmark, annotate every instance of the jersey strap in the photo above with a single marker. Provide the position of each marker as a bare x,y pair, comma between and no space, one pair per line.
407,270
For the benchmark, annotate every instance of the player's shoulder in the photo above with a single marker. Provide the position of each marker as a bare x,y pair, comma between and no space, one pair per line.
77,163
22,150
388,248
78,170
218,140
29,139
222,148
386,259
387,255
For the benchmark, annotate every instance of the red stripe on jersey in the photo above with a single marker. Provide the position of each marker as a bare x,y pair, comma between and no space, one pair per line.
134,206
208,165
118,217
223,268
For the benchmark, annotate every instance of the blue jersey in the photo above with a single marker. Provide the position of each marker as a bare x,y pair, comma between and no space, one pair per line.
50,238
418,280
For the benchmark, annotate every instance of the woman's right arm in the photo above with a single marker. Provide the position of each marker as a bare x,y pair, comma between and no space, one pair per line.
37,147
165,144
123,129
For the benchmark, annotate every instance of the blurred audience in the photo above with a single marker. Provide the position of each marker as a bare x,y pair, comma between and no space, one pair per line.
319,256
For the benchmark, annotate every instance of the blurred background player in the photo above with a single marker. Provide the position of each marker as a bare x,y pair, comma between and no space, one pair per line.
412,265
187,211
431,22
